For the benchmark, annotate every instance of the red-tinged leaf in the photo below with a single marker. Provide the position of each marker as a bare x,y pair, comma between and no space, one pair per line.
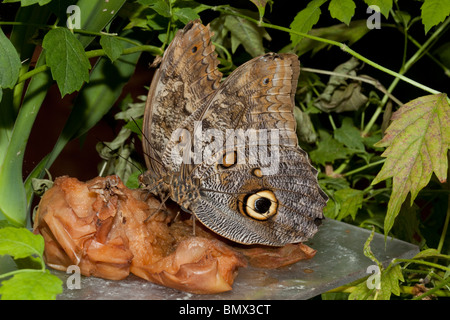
417,141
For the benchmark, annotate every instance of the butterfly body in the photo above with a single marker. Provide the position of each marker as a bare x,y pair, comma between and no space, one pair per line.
227,151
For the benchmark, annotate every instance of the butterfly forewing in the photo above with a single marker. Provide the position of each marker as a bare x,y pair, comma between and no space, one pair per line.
239,166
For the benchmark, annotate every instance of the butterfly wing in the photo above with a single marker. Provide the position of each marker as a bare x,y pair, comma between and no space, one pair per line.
187,75
270,200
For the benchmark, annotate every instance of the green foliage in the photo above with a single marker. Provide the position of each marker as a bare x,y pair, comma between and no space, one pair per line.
306,19
417,142
434,12
338,115
10,63
342,10
66,59
26,283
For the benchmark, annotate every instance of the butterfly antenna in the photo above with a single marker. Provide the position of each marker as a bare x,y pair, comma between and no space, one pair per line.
148,141
116,153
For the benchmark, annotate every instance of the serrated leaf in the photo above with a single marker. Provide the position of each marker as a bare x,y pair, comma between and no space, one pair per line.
20,242
389,284
67,60
384,5
328,150
306,19
417,142
350,201
112,46
9,63
434,12
343,10
349,135
31,286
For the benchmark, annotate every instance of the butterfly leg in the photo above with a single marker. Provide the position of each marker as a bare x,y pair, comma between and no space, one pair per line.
163,202
193,224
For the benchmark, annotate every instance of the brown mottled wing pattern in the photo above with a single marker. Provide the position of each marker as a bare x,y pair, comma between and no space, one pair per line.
187,76
259,95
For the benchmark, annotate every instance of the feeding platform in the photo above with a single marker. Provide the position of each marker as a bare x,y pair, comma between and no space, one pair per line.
339,260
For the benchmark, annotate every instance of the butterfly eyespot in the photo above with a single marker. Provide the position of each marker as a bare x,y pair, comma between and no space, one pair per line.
257,172
266,81
229,159
194,49
261,205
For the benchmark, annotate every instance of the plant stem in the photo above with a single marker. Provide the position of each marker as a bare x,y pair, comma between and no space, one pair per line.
8,274
436,291
407,65
343,47
430,264
92,54
349,173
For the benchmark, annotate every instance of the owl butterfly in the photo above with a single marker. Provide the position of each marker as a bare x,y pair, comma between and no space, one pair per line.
227,151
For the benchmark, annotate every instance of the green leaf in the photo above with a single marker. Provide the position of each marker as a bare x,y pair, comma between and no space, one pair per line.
31,286
349,135
384,5
66,59
390,279
9,63
431,253
389,284
160,6
261,5
343,10
185,14
133,180
112,46
368,251
350,201
328,150
94,100
20,242
305,127
95,16
306,19
245,33
434,12
417,142
342,94
25,3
